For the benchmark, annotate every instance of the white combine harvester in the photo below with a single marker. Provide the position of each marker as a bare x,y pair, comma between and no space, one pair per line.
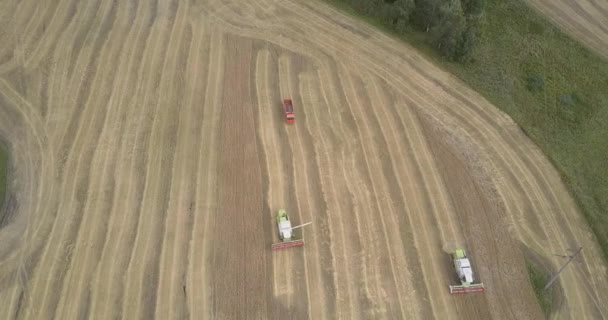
286,234
465,274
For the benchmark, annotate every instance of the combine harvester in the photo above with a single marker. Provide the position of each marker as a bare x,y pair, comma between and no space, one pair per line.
465,274
286,234
288,110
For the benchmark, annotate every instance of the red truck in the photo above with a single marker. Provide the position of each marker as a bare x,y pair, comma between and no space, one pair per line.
288,109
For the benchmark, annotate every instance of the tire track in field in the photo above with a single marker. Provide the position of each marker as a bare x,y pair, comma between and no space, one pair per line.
438,278
58,23
374,102
145,260
182,291
111,289
353,171
351,226
123,186
82,34
390,136
72,228
309,203
83,85
181,211
355,242
206,192
178,209
82,269
374,197
147,93
75,245
343,280
67,75
25,24
8,36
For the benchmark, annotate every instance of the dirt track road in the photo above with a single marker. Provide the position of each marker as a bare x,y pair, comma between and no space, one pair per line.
584,20
150,157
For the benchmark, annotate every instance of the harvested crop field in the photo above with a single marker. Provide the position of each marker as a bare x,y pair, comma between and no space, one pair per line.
150,156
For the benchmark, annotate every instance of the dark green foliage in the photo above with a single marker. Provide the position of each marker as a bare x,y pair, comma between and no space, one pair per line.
536,28
405,8
568,100
396,14
456,33
449,35
452,25
473,7
539,278
393,13
468,39
535,83
388,13
401,25
426,14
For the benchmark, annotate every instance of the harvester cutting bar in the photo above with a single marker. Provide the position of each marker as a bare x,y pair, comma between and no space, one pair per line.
287,244
468,289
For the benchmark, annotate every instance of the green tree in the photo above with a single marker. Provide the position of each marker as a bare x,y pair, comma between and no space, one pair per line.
448,36
454,25
389,14
426,14
466,44
405,8
473,7
447,33
397,13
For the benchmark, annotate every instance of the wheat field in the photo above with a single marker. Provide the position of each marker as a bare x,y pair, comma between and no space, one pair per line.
149,157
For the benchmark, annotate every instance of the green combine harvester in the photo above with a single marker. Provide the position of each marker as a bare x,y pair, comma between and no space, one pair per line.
286,234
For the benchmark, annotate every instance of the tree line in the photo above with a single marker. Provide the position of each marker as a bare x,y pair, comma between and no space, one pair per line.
453,25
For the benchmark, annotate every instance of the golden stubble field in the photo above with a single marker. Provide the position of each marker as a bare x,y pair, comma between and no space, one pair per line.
149,157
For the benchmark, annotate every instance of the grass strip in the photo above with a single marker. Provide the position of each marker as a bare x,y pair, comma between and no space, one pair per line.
538,278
